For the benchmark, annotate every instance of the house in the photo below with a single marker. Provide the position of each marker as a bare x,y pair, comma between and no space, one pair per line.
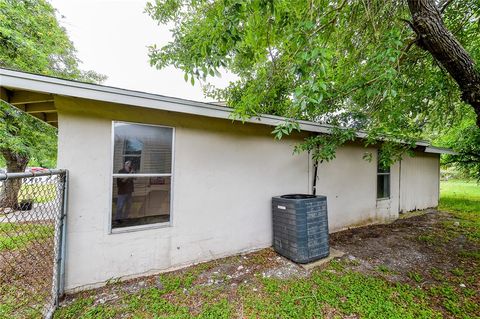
157,183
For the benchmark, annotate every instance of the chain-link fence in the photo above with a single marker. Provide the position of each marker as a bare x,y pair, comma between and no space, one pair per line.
32,228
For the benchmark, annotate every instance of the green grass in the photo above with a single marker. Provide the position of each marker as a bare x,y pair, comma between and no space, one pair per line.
40,193
21,297
460,196
348,292
345,291
17,303
149,303
19,235
334,291
462,199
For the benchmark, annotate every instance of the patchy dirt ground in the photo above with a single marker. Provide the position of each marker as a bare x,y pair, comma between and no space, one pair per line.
414,248
422,249
226,274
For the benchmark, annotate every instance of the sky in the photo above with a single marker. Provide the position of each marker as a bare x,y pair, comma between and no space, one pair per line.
112,36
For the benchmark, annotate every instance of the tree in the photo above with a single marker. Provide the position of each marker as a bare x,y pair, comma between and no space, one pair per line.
32,40
434,37
21,137
467,145
390,68
465,140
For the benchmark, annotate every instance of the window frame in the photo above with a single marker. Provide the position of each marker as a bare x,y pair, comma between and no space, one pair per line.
112,175
389,174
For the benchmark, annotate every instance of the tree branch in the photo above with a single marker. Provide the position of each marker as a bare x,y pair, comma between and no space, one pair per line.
445,5
446,50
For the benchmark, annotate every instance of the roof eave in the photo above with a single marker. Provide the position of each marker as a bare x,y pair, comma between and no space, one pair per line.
52,85
439,150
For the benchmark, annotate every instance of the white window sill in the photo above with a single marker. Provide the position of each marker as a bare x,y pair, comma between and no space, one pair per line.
130,229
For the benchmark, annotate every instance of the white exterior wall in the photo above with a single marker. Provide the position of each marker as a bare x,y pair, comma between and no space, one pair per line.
224,177
420,182
350,184
225,174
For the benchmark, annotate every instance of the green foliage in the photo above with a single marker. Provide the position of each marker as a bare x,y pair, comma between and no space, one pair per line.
463,200
328,143
383,269
150,303
32,40
466,142
348,293
24,134
348,64
415,276
16,236
332,291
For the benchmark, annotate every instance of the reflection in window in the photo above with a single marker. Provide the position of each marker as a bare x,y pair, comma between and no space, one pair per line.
383,180
148,147
133,152
141,174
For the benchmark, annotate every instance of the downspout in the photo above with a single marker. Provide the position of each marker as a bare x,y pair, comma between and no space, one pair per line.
63,247
315,175
399,184
439,177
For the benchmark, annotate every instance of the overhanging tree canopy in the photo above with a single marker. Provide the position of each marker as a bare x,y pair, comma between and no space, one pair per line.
32,40
369,64
22,137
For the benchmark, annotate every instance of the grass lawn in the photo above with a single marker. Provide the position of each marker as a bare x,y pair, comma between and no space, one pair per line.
346,288
462,199
40,193
460,196
18,235
26,259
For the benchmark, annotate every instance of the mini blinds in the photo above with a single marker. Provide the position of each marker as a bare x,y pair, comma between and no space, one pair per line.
142,174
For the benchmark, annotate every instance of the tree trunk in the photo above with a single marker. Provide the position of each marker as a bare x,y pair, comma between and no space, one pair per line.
11,187
434,37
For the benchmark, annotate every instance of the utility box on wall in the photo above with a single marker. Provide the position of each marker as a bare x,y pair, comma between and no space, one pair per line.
300,227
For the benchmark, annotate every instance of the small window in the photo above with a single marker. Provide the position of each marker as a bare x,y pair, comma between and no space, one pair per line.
142,174
383,180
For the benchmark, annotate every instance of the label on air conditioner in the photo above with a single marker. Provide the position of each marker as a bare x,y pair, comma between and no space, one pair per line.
281,207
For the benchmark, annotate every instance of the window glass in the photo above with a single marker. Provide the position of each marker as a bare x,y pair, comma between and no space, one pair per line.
383,186
138,199
148,148
383,180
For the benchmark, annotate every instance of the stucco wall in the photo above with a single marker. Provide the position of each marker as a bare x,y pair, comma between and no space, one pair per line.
225,174
224,177
350,184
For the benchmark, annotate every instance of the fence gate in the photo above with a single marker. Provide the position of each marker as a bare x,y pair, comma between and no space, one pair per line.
32,228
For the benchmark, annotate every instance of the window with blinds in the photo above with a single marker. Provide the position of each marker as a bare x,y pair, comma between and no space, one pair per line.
142,174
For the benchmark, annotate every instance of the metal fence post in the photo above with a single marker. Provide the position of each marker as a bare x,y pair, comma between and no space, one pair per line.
62,247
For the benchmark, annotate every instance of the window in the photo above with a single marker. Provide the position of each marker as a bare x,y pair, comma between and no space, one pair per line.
142,174
383,180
